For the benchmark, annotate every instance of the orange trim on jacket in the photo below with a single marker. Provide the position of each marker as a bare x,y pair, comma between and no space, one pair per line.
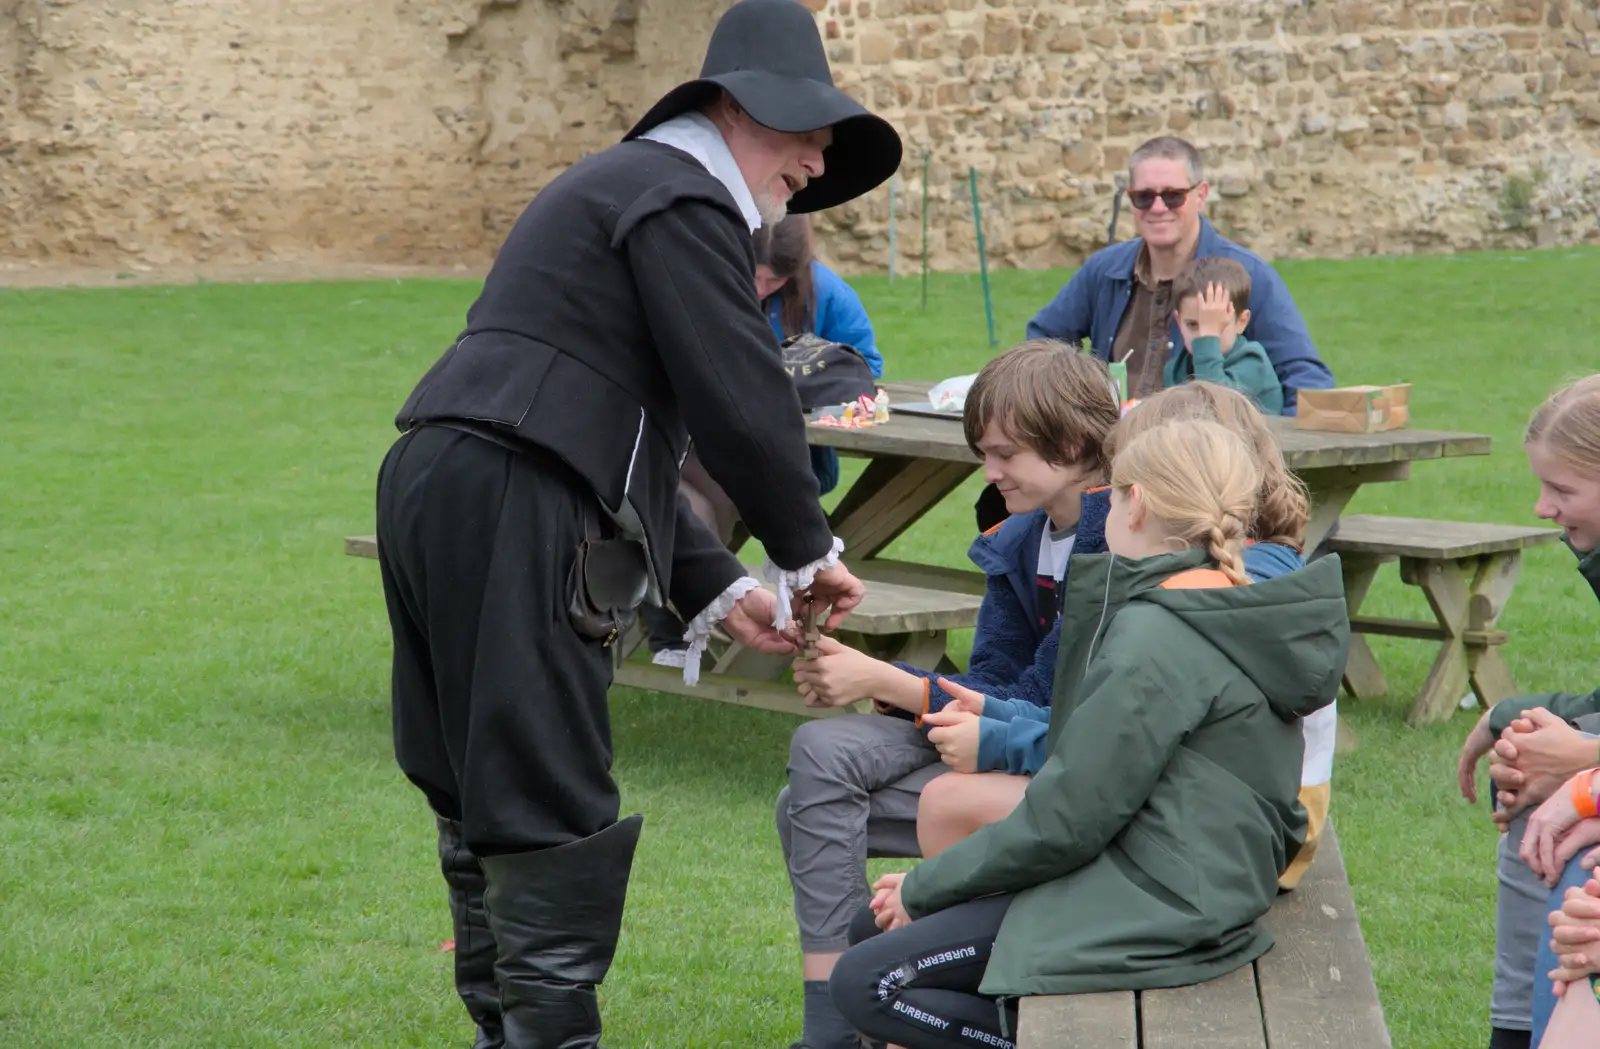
1198,579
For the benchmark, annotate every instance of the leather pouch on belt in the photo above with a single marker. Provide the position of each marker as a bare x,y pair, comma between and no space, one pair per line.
608,582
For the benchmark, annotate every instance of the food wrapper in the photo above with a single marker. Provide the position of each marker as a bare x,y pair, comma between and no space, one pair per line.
951,394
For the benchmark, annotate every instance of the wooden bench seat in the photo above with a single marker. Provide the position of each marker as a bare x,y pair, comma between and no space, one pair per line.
1466,571
1313,990
894,621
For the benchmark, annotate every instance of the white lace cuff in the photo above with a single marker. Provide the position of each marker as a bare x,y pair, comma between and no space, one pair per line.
700,626
789,583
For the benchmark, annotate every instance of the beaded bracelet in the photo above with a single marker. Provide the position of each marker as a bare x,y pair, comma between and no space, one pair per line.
1583,794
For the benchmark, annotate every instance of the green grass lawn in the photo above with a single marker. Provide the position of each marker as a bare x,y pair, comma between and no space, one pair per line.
203,836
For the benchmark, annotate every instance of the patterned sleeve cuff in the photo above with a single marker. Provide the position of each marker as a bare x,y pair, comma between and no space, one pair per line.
700,626
791,582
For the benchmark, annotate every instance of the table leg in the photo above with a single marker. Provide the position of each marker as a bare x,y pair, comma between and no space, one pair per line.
890,496
1491,589
1330,489
1447,586
1363,678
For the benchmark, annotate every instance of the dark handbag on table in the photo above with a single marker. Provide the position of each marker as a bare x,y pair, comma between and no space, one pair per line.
826,373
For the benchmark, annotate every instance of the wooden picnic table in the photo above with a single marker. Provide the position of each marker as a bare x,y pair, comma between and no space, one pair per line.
917,460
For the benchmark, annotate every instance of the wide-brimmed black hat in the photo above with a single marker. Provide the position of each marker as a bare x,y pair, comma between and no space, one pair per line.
768,55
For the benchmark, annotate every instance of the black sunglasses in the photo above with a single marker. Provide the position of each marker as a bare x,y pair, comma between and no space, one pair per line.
1145,199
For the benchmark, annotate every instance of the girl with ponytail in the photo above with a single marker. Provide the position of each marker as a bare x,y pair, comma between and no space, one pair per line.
1148,846
1275,544
1539,744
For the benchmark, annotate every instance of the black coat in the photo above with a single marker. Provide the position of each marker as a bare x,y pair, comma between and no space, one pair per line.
619,322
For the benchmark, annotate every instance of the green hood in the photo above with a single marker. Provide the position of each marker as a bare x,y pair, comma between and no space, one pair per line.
1289,635
1146,849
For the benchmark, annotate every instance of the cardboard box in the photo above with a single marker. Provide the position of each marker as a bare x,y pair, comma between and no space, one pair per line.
1355,409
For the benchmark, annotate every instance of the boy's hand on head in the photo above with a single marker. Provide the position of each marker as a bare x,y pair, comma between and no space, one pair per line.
962,697
955,737
1215,313
838,676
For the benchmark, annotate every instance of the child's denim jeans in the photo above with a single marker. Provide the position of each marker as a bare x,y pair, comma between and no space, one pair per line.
1544,995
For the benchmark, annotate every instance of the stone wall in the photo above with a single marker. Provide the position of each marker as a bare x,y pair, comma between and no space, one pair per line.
412,131
1329,128
393,131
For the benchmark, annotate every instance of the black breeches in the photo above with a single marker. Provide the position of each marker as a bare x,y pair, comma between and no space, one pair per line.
500,714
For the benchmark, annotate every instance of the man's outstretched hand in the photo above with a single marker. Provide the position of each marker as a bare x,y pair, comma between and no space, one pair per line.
750,624
834,590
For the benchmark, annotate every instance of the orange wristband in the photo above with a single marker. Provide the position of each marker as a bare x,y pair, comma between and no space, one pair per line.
1583,794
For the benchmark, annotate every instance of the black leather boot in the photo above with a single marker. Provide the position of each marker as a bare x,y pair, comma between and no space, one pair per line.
556,915
475,950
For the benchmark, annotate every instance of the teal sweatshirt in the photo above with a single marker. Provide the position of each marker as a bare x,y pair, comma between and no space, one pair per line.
1245,367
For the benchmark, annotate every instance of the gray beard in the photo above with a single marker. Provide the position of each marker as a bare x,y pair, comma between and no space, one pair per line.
771,211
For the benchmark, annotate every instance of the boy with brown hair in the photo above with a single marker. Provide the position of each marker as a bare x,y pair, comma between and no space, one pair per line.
1213,297
1037,416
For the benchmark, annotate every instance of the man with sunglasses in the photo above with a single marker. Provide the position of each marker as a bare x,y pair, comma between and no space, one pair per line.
1121,298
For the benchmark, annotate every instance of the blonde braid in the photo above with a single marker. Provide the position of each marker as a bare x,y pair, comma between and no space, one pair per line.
1201,480
1282,509
1226,548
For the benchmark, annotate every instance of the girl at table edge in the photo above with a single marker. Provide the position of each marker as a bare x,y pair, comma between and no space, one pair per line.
801,296
1109,875
1562,442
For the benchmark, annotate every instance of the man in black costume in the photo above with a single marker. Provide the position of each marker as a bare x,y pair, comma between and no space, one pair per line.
532,502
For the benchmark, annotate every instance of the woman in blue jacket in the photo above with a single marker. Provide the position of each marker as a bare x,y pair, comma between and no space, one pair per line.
802,296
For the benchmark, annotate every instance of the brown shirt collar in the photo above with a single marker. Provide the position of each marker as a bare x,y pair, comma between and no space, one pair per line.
1141,265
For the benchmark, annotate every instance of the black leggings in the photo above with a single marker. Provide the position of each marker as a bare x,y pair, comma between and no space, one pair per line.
918,985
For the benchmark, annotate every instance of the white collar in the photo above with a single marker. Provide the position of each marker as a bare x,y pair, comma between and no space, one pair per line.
696,135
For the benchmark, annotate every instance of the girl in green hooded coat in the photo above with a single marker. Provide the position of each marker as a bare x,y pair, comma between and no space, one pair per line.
1148,846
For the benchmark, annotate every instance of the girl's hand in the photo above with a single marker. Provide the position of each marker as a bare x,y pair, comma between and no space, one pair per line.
1555,834
838,676
886,903
1479,742
955,737
962,697
1534,756
1576,936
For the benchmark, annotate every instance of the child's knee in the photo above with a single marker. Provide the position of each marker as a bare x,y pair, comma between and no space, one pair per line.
940,796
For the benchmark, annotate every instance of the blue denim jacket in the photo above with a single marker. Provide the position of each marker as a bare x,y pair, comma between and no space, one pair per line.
1094,300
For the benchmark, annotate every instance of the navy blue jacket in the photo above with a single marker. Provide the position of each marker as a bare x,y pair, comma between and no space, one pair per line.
1012,653
1013,732
1094,300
